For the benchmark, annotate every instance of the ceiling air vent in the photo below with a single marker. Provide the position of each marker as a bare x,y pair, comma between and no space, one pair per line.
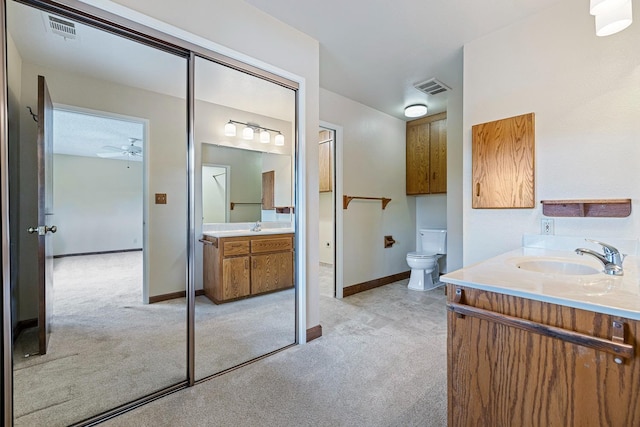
62,27
432,87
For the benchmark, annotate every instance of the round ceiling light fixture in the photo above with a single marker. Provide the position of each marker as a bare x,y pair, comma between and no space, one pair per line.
614,20
415,110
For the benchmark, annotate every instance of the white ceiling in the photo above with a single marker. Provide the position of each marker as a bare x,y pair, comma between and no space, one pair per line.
374,51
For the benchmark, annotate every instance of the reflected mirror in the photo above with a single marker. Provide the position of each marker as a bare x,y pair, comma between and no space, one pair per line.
245,148
101,320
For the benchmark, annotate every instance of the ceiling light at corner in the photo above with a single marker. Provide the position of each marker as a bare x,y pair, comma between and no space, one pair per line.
415,110
229,129
265,138
596,7
279,139
614,20
247,133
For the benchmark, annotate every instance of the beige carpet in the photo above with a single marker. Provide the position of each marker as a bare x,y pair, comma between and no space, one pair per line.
381,362
107,348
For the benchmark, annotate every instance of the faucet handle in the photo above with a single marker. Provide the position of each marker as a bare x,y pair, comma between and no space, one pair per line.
608,249
610,252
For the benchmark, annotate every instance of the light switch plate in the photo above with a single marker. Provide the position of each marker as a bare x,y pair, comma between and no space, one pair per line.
161,198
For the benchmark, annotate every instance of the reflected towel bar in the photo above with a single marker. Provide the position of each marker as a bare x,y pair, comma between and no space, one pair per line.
233,204
347,199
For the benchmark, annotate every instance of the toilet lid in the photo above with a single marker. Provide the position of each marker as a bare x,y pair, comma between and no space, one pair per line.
421,255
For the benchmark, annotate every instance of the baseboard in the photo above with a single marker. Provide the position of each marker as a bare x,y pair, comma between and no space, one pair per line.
23,325
172,295
371,284
314,332
98,253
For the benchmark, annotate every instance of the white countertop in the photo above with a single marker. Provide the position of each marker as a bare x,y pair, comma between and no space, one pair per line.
238,233
601,293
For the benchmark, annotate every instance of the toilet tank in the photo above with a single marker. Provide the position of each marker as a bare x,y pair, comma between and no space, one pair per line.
433,240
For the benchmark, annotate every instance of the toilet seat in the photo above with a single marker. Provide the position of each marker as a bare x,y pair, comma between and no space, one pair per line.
420,255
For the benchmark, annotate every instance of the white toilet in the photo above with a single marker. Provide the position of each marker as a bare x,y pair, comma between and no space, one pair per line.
425,271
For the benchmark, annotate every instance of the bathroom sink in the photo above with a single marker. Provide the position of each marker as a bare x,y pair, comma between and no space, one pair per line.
554,266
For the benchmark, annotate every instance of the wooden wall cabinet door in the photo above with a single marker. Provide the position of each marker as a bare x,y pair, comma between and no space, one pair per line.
502,375
325,168
268,190
426,146
438,156
503,163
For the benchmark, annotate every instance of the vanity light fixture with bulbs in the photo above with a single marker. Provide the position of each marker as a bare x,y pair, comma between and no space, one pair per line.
250,129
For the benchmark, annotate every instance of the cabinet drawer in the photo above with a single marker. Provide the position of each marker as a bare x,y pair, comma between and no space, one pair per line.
271,245
235,248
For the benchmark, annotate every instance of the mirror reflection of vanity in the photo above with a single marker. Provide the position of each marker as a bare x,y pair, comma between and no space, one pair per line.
244,217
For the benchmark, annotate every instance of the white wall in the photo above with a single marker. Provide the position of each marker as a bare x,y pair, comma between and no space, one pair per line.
98,204
374,166
254,35
585,92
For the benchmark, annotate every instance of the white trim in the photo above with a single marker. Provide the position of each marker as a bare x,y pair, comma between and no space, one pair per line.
338,225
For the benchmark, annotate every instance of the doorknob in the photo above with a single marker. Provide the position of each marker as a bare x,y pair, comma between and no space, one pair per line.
42,229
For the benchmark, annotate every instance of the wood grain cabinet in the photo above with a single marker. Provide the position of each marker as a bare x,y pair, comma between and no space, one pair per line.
427,155
243,266
325,156
518,362
503,153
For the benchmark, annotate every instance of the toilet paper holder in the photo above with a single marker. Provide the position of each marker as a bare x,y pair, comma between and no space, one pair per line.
388,241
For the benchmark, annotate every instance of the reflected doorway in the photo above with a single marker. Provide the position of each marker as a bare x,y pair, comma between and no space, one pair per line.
327,211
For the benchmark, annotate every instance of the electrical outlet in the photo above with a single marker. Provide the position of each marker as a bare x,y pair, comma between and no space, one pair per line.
546,226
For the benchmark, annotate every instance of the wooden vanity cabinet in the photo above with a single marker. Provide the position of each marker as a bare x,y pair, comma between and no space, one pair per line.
502,375
426,145
243,266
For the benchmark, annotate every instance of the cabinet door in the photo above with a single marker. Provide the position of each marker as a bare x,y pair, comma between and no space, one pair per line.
438,156
325,169
418,158
235,278
271,272
499,375
503,163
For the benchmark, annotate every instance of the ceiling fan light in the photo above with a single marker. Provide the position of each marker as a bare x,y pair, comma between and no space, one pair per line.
613,21
247,133
279,139
229,129
265,138
597,7
415,110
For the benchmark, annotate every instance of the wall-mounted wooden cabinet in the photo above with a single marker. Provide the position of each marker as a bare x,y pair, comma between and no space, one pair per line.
325,155
503,163
427,155
242,266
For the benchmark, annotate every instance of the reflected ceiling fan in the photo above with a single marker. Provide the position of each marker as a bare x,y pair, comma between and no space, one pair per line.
128,151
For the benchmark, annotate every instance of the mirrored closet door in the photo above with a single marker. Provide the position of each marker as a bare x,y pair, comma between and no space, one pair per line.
245,186
105,324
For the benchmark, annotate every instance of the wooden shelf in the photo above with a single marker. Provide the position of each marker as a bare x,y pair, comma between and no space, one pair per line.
604,208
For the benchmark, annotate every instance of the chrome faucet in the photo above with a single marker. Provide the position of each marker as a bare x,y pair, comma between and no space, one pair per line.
611,259
257,226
